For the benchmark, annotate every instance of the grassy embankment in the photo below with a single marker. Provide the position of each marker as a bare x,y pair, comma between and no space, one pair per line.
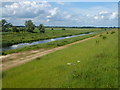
97,67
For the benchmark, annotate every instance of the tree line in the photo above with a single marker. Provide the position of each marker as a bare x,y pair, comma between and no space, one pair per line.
29,27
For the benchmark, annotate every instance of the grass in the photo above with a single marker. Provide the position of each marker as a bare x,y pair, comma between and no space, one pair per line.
97,67
11,38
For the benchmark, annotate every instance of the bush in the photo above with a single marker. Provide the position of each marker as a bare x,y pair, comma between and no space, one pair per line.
15,29
112,32
52,29
3,53
63,28
100,35
36,30
104,37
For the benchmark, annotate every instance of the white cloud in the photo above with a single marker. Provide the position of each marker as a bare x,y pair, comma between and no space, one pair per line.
25,9
67,16
105,15
103,12
113,15
48,20
60,3
96,17
48,16
44,12
53,11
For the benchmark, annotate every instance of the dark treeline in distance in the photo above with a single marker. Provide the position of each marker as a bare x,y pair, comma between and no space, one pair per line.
29,27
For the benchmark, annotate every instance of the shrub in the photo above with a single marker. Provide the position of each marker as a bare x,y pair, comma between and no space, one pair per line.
112,32
52,29
36,30
63,28
22,38
104,37
100,35
15,29
3,53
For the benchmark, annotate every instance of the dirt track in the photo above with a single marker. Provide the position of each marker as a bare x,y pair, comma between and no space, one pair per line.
16,59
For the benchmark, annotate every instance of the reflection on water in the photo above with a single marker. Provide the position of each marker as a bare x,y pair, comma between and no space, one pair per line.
39,42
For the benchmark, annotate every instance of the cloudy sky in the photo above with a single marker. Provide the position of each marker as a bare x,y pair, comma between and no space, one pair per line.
61,13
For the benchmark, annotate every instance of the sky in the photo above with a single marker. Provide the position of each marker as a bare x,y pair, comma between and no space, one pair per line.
61,13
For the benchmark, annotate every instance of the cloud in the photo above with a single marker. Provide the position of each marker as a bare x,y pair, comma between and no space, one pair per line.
48,14
106,15
113,15
39,11
103,12
25,9
53,11
60,3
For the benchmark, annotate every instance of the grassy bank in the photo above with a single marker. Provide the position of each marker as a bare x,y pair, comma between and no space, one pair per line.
91,64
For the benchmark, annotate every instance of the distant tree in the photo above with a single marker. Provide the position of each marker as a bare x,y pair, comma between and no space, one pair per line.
52,29
5,25
15,29
4,22
29,26
41,28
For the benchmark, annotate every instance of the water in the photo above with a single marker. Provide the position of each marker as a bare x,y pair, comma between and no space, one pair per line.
39,42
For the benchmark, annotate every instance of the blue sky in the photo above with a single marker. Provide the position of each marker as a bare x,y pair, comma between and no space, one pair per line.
62,13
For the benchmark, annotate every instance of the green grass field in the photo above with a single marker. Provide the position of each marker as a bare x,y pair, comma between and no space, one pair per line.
10,38
91,64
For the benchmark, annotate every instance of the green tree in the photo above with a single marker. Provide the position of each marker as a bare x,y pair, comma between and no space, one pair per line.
41,28
29,26
4,22
5,25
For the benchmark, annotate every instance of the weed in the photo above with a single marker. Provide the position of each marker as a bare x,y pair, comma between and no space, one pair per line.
104,37
100,35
